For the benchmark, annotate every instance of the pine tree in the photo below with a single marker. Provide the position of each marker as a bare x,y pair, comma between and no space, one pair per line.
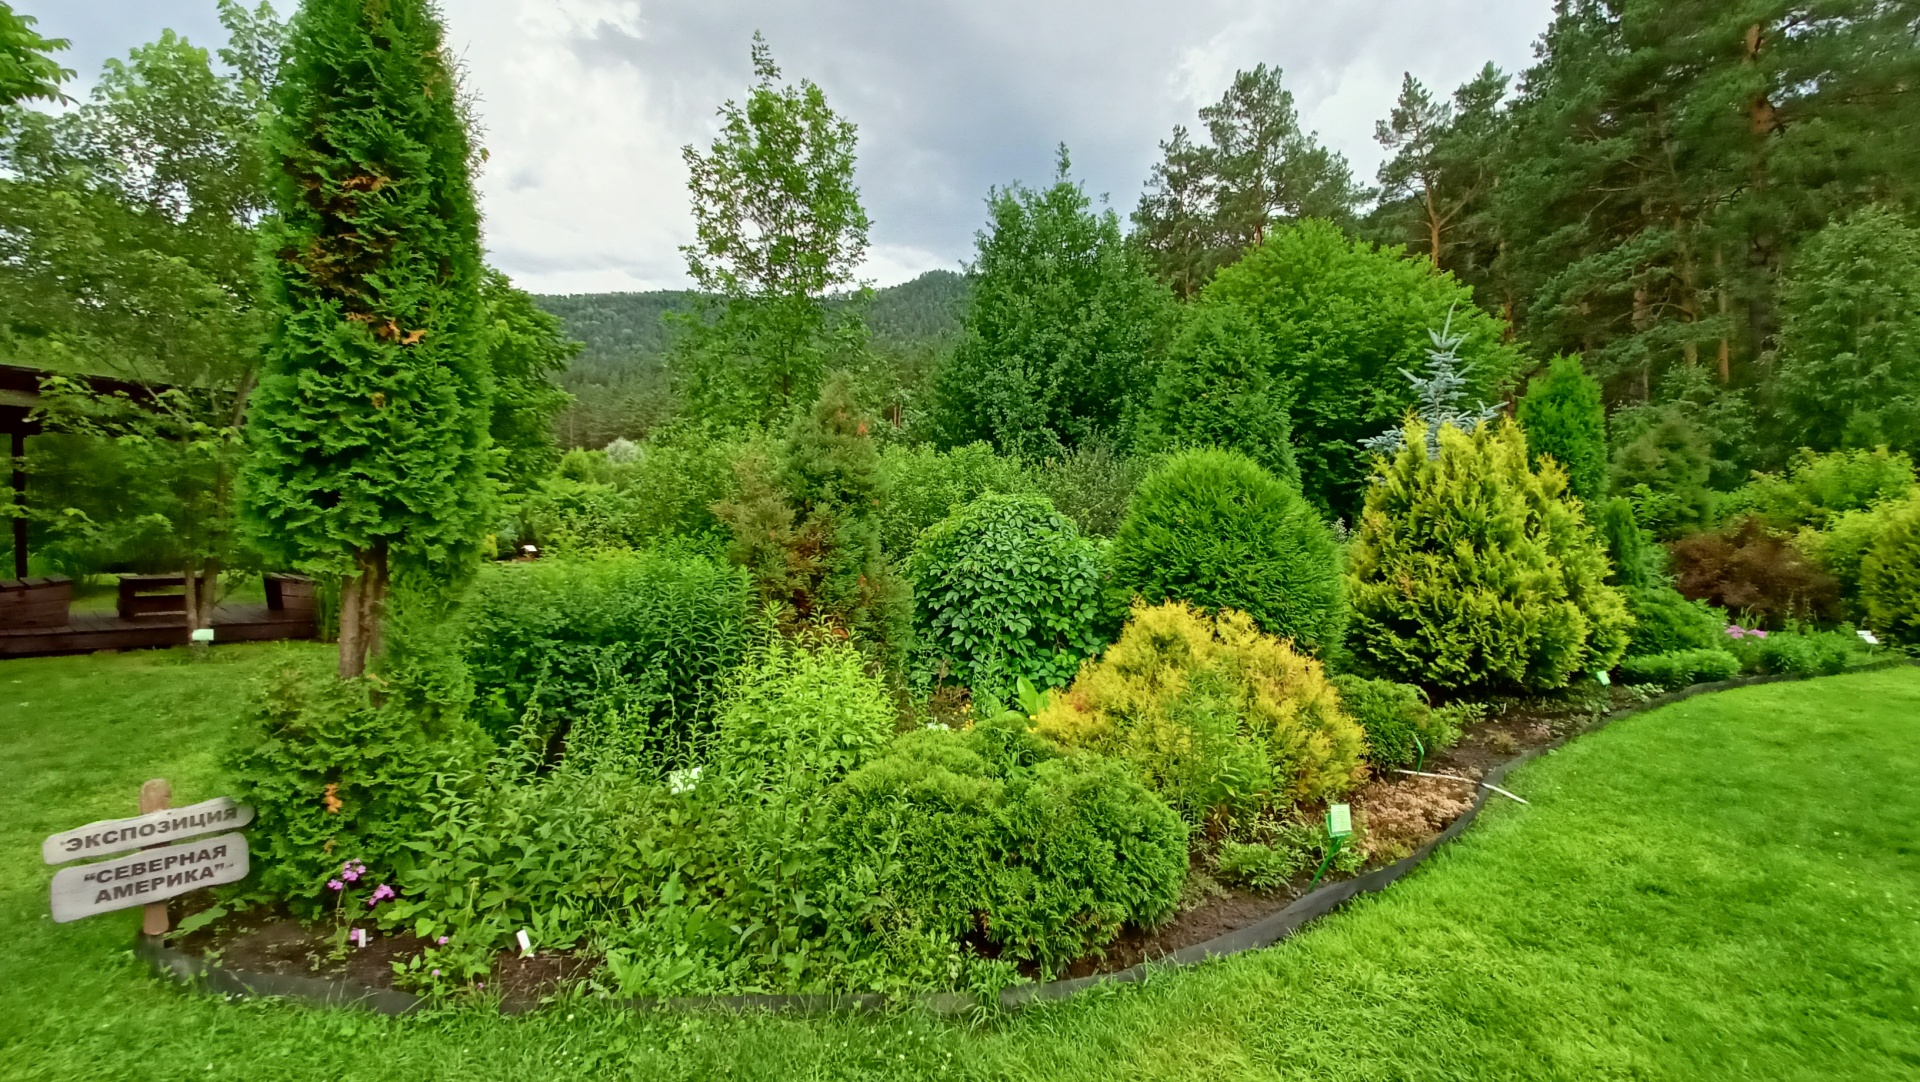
1667,156
1206,204
1445,158
370,448
1564,420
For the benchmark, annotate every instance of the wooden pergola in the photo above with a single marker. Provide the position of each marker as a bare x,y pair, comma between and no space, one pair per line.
19,394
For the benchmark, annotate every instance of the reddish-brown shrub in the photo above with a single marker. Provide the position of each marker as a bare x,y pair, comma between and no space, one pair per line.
1756,574
1403,814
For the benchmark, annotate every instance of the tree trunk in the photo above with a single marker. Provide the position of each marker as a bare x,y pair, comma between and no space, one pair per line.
363,602
202,583
1433,226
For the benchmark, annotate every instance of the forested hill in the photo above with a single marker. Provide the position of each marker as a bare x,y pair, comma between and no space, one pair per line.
625,329
619,379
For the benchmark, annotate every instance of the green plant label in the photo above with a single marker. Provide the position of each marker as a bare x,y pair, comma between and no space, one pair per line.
1339,821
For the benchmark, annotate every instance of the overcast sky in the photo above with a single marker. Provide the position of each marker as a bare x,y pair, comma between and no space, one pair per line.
588,102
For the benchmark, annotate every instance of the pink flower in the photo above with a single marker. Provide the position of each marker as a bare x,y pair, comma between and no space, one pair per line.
1736,631
335,885
441,942
1757,633
380,894
436,973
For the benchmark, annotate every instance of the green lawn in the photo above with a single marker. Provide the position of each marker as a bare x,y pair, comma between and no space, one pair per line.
1724,889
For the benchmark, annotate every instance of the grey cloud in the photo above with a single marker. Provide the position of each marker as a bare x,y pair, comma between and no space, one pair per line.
950,98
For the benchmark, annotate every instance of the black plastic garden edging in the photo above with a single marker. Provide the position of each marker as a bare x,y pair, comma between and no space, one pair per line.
197,972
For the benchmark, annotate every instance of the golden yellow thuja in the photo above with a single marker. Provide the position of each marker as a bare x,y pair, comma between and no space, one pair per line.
1216,715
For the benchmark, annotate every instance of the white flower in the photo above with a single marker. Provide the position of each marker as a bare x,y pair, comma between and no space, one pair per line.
682,781
1867,637
936,725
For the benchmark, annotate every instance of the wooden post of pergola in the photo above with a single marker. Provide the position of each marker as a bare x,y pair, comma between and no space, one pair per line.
19,449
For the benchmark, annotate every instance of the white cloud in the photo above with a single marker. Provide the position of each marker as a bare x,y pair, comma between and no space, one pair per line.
588,102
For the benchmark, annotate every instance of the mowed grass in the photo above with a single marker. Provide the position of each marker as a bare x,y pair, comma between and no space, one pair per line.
1728,888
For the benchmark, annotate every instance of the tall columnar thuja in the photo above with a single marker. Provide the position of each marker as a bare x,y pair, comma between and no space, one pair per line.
369,429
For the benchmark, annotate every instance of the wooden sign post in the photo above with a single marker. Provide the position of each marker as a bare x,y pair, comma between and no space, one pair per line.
165,867
155,795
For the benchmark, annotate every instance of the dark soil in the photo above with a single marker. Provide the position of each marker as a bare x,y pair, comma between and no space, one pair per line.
264,942
275,943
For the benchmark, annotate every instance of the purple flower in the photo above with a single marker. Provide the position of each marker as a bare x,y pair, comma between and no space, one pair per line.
380,894
436,973
336,885
1757,633
1736,631
441,942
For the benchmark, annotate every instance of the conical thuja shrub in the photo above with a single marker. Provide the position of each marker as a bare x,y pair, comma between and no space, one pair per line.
369,427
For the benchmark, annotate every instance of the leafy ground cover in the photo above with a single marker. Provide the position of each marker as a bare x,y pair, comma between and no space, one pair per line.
1725,888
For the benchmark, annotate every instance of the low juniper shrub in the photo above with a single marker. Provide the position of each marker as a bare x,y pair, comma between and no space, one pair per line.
1044,857
1680,668
1664,621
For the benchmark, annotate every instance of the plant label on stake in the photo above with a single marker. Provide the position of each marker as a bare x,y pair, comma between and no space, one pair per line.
1339,829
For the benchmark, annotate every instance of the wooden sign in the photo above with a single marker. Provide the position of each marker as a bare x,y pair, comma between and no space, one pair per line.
119,835
147,877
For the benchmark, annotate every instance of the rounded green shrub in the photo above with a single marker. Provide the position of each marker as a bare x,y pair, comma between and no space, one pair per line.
1680,668
1565,421
1004,588
1046,857
1215,530
1471,571
1890,577
924,485
1401,727
636,642
1664,621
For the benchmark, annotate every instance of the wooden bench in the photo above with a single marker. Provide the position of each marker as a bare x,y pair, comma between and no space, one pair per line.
165,595
35,602
154,595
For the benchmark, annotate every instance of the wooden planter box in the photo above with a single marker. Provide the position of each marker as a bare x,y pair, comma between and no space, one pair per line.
291,594
154,595
35,603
